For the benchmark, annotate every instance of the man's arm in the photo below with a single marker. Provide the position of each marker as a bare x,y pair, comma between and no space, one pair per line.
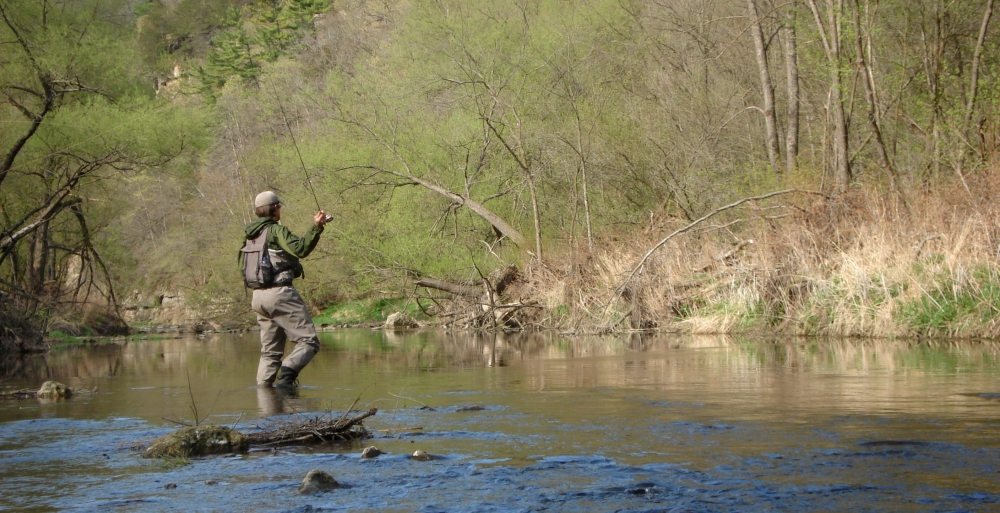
294,245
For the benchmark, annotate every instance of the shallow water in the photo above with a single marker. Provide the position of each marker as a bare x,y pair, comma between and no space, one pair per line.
602,424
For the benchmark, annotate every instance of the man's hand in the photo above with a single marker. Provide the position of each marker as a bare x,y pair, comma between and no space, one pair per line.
320,219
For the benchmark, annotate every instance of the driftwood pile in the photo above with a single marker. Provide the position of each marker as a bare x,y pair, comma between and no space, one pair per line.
208,439
312,430
492,302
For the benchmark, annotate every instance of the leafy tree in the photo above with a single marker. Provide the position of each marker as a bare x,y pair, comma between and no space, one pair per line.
83,122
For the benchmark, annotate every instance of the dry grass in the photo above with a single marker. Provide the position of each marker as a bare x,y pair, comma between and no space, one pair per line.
862,265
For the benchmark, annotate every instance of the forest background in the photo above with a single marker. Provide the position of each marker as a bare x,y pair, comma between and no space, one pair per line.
604,147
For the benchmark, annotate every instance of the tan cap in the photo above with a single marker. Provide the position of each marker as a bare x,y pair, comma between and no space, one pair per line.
266,198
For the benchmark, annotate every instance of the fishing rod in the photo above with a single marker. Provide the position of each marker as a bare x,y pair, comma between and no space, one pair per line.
295,144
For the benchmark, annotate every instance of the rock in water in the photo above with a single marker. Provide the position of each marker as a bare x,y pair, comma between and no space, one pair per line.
317,481
371,452
399,320
421,456
198,441
53,390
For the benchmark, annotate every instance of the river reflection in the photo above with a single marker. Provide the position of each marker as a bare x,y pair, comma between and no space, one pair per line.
902,425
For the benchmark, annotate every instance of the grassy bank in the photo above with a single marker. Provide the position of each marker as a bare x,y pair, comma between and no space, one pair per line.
367,312
862,266
799,264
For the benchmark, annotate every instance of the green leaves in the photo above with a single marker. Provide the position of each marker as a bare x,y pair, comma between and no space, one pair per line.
254,34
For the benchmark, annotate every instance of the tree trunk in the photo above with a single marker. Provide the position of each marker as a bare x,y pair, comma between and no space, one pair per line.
831,45
38,253
583,176
974,79
534,213
873,115
770,119
454,288
792,71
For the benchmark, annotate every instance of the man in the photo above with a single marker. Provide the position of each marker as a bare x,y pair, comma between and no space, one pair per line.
281,313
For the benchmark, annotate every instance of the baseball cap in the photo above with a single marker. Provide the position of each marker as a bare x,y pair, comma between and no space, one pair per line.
266,198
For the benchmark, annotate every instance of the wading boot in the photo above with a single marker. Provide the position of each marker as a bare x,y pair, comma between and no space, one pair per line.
287,378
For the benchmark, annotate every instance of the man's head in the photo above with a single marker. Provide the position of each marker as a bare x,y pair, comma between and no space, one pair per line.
266,204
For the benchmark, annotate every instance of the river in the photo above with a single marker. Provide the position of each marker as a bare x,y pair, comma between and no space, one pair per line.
524,422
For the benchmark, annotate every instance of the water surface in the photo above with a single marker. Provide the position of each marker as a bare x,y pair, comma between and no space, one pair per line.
524,423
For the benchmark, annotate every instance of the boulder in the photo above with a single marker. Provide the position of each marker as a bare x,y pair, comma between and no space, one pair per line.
399,320
53,390
371,452
421,456
200,440
317,481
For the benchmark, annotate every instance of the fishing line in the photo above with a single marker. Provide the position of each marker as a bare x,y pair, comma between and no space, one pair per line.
295,144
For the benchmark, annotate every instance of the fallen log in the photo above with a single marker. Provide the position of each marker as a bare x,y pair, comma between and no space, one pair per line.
24,393
447,286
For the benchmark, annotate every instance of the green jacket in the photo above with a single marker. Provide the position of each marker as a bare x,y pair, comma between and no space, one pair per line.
284,247
280,237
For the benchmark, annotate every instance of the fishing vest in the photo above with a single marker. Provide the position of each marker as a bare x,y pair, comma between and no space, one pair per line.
264,267
286,267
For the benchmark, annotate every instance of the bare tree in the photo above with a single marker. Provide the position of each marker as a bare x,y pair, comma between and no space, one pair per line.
971,96
792,72
770,119
406,177
829,31
868,81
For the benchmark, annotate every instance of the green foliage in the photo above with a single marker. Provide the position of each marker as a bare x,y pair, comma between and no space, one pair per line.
395,117
174,33
953,307
83,122
368,311
253,34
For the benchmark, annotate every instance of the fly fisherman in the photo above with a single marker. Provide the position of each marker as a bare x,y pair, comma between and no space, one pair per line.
281,313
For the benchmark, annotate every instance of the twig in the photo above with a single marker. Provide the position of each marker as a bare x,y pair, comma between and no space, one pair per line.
178,422
238,419
350,409
209,414
194,407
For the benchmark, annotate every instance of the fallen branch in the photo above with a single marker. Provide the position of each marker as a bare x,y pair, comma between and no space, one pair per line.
454,288
24,393
314,430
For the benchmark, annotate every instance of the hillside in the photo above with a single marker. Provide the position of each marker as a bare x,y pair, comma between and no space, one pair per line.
595,145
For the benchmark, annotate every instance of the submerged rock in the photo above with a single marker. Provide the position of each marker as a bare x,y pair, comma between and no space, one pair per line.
198,441
317,481
421,456
371,452
53,390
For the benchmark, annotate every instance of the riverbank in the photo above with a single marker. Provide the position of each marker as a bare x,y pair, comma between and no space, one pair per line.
860,266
